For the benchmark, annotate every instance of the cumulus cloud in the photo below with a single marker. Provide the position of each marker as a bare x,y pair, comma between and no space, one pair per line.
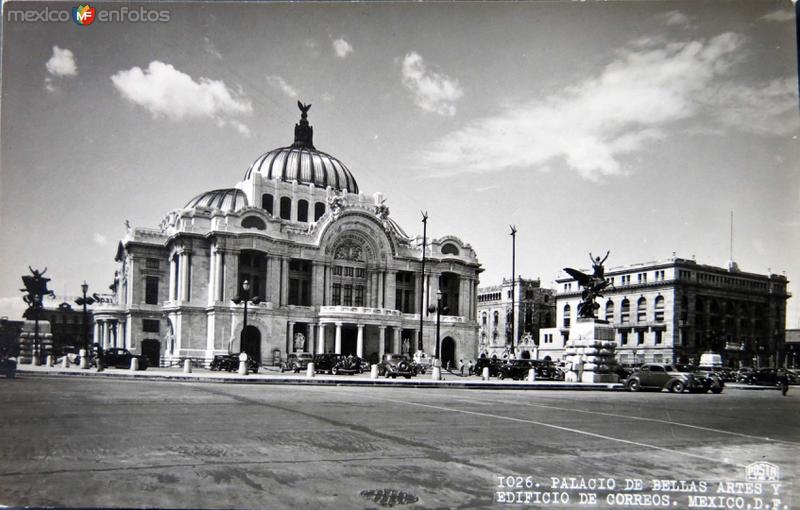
279,83
61,64
766,109
431,91
779,15
167,92
592,124
342,48
675,19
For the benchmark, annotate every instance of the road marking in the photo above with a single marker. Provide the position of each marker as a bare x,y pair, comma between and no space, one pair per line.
559,427
639,418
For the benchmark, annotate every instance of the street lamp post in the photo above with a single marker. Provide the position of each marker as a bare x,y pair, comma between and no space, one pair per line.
422,289
437,363
84,301
513,284
245,298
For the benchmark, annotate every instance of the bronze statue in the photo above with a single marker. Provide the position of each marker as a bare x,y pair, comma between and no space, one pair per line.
303,109
592,285
36,288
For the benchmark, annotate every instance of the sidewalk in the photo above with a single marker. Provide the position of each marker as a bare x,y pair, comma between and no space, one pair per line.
273,376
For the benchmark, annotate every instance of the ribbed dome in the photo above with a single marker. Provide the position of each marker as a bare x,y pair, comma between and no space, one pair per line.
226,200
304,165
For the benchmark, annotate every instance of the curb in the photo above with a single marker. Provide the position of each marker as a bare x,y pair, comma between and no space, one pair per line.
322,381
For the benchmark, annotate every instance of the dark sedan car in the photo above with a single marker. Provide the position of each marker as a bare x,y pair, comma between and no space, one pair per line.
762,377
658,376
492,363
337,364
515,369
297,361
396,365
118,357
230,363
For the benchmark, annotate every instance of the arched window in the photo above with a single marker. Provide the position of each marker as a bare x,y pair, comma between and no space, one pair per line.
496,318
610,311
641,310
567,315
449,249
625,311
658,309
302,210
254,222
286,208
266,202
483,318
319,210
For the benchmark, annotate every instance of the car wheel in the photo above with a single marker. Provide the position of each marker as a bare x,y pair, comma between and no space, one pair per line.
501,376
334,371
634,385
716,391
677,387
282,369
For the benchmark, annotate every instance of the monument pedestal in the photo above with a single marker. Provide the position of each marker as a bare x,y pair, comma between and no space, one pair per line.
591,352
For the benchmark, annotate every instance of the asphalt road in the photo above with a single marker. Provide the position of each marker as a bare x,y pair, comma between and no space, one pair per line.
81,442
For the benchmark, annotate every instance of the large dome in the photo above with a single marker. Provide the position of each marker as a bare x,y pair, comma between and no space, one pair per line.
226,200
303,163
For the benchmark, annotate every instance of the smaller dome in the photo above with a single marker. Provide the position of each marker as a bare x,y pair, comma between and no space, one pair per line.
226,200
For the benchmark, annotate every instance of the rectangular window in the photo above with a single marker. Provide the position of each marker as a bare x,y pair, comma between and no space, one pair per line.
623,337
337,294
347,297
360,272
151,325
659,336
640,337
359,296
337,271
151,290
152,264
348,271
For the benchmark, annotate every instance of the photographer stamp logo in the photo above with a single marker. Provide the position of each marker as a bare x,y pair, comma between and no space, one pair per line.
762,472
83,14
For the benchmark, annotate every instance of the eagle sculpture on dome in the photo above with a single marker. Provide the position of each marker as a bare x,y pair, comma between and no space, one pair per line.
303,109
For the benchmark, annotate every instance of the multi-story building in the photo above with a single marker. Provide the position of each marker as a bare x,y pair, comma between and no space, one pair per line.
534,308
333,272
673,311
66,322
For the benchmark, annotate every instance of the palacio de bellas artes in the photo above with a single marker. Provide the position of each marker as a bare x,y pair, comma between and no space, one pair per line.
332,271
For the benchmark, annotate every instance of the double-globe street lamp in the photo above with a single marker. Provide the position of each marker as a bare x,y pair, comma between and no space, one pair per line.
438,308
85,301
245,298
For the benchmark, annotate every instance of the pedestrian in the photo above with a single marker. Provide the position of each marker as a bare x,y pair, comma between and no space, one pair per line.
469,367
461,366
449,366
783,382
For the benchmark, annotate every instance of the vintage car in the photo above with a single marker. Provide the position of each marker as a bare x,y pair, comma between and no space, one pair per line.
297,361
659,376
709,377
118,357
396,365
515,369
230,363
337,364
494,365
8,367
762,377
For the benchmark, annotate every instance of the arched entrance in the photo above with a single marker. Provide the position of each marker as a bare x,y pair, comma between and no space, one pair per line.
251,342
151,349
525,355
448,351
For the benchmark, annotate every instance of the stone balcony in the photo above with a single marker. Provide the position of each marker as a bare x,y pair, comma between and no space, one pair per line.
359,311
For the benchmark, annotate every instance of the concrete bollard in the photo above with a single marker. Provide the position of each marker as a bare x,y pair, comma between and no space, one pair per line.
310,372
485,374
243,364
134,363
50,361
34,360
187,366
65,361
99,364
531,375
373,372
437,374
84,363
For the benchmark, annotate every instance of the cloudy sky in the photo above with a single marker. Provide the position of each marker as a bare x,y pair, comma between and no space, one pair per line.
632,126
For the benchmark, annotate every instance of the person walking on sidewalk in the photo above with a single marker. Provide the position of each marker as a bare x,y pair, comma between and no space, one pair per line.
461,366
783,382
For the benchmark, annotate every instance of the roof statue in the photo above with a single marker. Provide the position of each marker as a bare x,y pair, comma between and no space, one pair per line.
592,285
303,132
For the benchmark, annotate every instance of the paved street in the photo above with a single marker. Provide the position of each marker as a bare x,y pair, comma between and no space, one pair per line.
83,442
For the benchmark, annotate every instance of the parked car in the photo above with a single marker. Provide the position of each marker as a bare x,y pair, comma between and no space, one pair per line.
118,357
515,369
337,364
659,376
8,366
297,361
494,365
762,377
394,365
230,363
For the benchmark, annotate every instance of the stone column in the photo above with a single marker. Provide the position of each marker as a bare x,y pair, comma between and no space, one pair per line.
284,282
186,262
396,339
172,280
321,339
368,298
338,343
311,328
274,279
212,279
360,341
107,334
219,276
290,334
381,342
391,290
119,340
96,337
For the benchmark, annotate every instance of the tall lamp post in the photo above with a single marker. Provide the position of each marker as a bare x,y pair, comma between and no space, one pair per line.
245,298
438,309
422,289
85,301
513,284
